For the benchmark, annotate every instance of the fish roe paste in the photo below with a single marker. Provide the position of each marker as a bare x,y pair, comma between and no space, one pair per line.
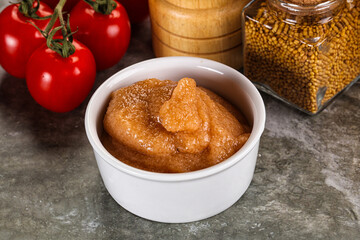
172,127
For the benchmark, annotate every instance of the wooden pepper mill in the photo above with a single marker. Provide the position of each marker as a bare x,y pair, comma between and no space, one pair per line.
201,28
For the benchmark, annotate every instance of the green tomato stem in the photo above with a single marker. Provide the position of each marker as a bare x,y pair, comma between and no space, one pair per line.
102,6
26,8
64,46
56,15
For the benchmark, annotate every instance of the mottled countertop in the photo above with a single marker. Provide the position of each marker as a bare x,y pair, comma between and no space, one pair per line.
306,183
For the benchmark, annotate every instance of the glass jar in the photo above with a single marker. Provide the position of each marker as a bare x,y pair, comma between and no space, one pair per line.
304,52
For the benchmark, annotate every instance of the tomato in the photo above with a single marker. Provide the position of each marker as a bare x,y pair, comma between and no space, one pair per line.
19,39
138,10
107,36
60,84
68,5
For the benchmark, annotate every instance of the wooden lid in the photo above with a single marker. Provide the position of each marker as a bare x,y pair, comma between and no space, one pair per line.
197,23
200,4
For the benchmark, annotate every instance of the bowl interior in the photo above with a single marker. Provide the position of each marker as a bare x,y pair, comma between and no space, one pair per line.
215,76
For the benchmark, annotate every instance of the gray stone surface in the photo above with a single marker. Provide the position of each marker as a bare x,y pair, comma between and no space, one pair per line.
306,183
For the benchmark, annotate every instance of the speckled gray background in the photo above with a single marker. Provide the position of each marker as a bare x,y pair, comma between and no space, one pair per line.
306,183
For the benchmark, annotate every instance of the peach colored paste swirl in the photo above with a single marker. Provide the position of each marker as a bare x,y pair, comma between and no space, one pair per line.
165,126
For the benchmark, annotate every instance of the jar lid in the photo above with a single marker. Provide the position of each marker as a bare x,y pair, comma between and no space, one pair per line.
306,2
306,7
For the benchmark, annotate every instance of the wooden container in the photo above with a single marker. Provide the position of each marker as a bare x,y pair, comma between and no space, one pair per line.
197,45
202,28
232,57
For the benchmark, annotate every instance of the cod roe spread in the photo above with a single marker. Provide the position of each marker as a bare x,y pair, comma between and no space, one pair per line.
172,127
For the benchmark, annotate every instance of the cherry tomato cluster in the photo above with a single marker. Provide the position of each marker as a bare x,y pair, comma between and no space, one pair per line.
137,10
60,83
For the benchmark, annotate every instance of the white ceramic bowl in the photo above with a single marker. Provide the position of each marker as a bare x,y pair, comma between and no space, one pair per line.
179,197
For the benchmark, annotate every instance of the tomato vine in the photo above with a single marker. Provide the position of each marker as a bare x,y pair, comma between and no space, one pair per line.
102,6
62,46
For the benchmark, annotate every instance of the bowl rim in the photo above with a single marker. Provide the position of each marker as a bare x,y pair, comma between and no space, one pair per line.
257,130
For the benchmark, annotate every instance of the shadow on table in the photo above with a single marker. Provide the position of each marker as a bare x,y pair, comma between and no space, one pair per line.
20,112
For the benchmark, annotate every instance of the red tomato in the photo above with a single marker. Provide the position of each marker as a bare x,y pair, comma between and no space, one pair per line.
19,39
107,36
68,5
60,84
138,10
